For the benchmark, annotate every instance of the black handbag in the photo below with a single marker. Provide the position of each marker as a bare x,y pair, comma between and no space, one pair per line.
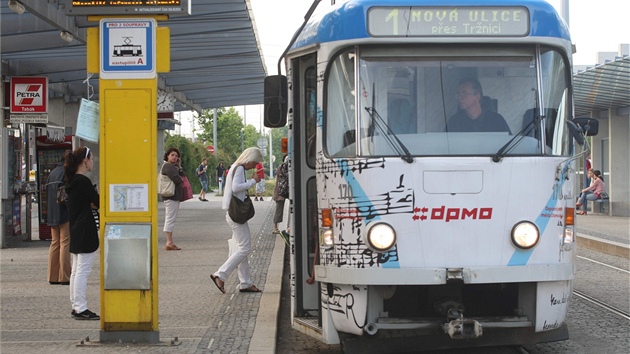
241,210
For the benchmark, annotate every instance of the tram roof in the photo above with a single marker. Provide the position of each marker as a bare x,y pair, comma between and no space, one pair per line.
339,22
216,59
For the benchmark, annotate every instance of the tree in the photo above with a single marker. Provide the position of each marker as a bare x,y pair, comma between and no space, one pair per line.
191,155
229,128
186,153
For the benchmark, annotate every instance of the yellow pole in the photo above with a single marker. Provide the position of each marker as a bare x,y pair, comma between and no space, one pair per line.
129,235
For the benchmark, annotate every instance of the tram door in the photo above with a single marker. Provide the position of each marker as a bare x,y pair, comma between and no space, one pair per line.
305,218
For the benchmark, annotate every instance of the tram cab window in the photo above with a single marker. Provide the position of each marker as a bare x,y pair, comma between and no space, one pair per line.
340,116
407,95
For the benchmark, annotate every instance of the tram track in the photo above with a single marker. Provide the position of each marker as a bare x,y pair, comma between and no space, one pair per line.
603,264
582,295
602,304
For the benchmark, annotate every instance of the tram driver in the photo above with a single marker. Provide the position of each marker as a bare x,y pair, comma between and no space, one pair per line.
472,115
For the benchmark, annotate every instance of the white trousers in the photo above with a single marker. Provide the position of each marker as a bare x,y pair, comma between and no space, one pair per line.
238,259
171,207
81,269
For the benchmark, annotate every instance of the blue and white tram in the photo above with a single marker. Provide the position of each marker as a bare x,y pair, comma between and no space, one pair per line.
408,228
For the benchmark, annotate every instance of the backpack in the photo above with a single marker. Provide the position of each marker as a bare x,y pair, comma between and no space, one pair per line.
283,181
62,196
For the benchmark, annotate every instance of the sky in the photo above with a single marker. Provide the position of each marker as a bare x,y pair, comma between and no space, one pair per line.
596,26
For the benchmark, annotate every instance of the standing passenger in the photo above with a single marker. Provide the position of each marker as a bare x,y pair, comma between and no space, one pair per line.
203,179
84,241
280,192
221,175
173,169
260,185
59,260
237,185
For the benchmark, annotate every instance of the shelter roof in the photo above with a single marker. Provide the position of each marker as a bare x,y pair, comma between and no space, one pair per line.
216,59
603,87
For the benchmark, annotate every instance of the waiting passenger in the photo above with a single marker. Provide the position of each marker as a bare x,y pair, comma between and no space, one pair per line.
593,192
472,117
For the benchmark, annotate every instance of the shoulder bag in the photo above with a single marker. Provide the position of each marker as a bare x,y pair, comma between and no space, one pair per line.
187,192
241,210
166,186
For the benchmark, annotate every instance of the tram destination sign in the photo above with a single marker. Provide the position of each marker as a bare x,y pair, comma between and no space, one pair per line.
445,21
127,7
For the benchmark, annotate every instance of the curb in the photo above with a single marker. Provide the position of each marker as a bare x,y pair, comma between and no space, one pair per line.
603,245
266,329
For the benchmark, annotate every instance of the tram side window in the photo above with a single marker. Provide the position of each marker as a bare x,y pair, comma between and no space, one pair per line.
558,102
340,122
310,99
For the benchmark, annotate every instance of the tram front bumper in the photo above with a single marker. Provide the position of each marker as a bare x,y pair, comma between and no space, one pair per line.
437,276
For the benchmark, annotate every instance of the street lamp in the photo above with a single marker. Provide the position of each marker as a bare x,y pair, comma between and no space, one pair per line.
16,7
242,142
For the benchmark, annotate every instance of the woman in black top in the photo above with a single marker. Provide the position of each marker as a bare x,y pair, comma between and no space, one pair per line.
84,241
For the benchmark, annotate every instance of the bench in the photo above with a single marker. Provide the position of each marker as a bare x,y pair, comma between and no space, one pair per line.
603,202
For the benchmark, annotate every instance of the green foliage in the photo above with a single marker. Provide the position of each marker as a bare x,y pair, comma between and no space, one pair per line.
229,126
232,137
188,154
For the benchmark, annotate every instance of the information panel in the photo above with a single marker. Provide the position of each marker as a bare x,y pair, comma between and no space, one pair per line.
127,7
127,48
443,21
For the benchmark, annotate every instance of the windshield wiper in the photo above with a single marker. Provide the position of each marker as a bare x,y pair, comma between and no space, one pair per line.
526,130
388,134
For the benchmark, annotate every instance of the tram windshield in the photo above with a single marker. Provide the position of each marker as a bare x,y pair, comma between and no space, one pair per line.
447,101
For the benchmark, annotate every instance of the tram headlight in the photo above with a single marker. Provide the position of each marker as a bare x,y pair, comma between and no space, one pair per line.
381,237
327,238
525,235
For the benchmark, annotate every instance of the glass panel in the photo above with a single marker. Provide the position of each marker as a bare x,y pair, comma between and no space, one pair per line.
440,101
555,88
447,105
310,99
312,226
340,111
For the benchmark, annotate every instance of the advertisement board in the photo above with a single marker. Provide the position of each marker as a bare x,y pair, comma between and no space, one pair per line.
29,94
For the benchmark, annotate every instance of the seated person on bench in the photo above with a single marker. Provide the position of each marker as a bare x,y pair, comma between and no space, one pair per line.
592,192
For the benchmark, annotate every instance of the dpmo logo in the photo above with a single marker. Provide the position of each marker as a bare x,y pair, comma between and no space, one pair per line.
446,214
